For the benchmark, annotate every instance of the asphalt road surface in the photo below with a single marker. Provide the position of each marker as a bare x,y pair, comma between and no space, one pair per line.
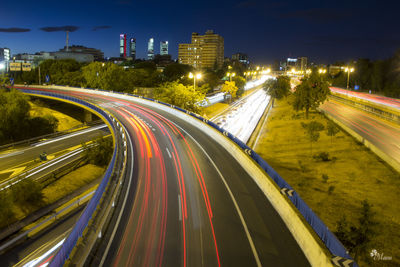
188,201
50,146
382,134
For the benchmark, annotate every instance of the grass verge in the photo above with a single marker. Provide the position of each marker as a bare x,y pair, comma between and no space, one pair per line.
65,122
334,188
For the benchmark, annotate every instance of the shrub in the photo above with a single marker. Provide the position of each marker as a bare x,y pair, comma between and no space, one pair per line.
323,156
325,177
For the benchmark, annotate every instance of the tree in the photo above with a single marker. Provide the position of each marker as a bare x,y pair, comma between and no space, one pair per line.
176,71
100,152
229,88
6,212
14,110
331,130
277,88
357,238
240,82
311,93
312,130
180,95
27,193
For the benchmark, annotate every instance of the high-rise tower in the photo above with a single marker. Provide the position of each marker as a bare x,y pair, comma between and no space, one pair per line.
150,49
133,48
122,45
164,48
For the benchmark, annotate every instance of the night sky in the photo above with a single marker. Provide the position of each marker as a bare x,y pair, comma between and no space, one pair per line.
324,31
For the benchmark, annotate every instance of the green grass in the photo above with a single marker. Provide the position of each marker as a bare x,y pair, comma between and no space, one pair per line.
56,190
215,109
356,174
65,122
71,182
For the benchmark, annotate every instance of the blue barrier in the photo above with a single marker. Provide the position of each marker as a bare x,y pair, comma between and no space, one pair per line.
66,248
327,237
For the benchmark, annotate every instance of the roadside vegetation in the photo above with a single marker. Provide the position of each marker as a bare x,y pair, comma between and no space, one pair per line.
16,123
379,76
40,108
172,85
352,190
27,196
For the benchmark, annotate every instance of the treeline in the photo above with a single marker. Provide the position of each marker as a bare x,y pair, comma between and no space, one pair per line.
15,121
172,85
380,76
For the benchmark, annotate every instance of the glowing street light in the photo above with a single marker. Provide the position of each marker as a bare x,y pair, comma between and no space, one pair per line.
230,75
322,71
195,77
348,70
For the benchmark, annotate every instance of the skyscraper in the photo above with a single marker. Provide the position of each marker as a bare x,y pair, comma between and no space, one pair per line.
122,45
150,49
133,48
164,48
4,59
205,51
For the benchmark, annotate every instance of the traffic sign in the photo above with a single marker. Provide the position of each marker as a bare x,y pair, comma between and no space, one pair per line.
15,66
356,87
47,78
12,81
26,66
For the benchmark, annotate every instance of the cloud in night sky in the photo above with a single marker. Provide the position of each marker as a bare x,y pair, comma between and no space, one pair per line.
103,27
14,30
60,29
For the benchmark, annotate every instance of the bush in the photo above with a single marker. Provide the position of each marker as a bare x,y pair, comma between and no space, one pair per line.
27,192
101,152
325,177
357,238
6,212
323,156
330,189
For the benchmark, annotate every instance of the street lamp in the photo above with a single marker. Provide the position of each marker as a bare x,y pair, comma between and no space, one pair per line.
348,70
194,77
322,71
230,75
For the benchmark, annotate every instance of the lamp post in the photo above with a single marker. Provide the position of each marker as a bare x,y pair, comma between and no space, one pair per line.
230,75
194,77
348,70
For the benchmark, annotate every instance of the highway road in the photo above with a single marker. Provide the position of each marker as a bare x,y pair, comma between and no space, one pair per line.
32,152
392,102
38,250
187,201
384,135
242,117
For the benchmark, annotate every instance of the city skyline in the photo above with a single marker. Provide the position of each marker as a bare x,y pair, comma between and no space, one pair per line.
266,30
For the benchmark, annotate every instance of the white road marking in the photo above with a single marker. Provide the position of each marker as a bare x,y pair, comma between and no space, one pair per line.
123,204
253,248
12,154
179,207
169,153
71,135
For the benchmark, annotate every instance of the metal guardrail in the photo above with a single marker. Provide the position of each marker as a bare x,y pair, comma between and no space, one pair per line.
326,236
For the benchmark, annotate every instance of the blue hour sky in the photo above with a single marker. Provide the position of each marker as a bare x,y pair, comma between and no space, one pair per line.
324,31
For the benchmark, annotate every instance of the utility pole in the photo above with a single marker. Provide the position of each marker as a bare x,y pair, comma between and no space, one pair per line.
67,41
39,75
